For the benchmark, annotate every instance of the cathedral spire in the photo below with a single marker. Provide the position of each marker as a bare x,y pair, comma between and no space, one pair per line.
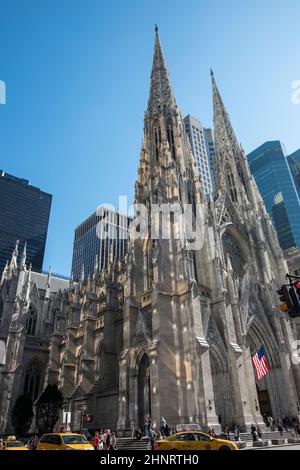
4,272
224,133
23,258
48,284
161,93
229,173
14,259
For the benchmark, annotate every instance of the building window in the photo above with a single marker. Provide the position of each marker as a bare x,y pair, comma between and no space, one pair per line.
32,380
31,321
231,185
170,136
157,140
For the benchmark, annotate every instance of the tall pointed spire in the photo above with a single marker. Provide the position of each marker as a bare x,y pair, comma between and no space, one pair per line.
224,133
161,93
4,272
229,171
96,267
48,285
14,259
23,258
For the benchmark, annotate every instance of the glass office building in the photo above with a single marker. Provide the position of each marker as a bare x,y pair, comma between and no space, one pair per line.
294,164
24,216
101,238
269,166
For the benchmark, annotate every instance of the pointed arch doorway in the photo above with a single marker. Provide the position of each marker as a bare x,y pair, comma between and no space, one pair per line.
144,394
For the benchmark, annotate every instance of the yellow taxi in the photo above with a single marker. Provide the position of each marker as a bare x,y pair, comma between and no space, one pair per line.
64,441
11,443
193,440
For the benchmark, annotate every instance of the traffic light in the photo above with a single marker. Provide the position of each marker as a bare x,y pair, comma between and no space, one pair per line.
284,298
289,300
297,287
295,312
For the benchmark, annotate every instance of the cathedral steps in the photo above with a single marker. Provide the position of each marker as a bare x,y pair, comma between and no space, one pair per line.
129,443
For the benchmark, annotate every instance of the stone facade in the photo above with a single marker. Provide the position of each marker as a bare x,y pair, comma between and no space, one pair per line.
167,331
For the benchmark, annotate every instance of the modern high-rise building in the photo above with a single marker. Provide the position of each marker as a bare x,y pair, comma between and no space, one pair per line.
102,237
294,164
202,144
269,166
24,216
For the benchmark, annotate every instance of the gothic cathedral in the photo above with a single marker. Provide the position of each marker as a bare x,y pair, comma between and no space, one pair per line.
166,331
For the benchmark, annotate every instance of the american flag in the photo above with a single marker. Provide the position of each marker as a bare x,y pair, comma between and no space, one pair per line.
260,363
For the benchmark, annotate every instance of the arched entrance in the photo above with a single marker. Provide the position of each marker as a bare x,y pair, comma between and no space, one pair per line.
269,400
144,398
221,388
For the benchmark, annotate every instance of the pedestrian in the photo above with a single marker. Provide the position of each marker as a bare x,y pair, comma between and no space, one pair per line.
138,434
108,436
213,434
95,441
113,441
280,428
259,432
104,437
254,433
173,430
220,421
100,444
152,438
1,444
236,432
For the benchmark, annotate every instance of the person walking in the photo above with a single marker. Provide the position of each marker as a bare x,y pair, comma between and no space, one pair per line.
113,441
104,437
236,432
108,437
254,433
259,432
95,441
152,438
100,444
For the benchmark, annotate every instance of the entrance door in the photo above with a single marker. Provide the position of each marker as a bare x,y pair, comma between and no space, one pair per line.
264,402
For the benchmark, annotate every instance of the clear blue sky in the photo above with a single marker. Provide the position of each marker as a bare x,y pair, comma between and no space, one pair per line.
77,76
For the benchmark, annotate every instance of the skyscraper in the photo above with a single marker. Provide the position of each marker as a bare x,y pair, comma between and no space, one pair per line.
271,171
294,164
24,216
102,237
202,144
